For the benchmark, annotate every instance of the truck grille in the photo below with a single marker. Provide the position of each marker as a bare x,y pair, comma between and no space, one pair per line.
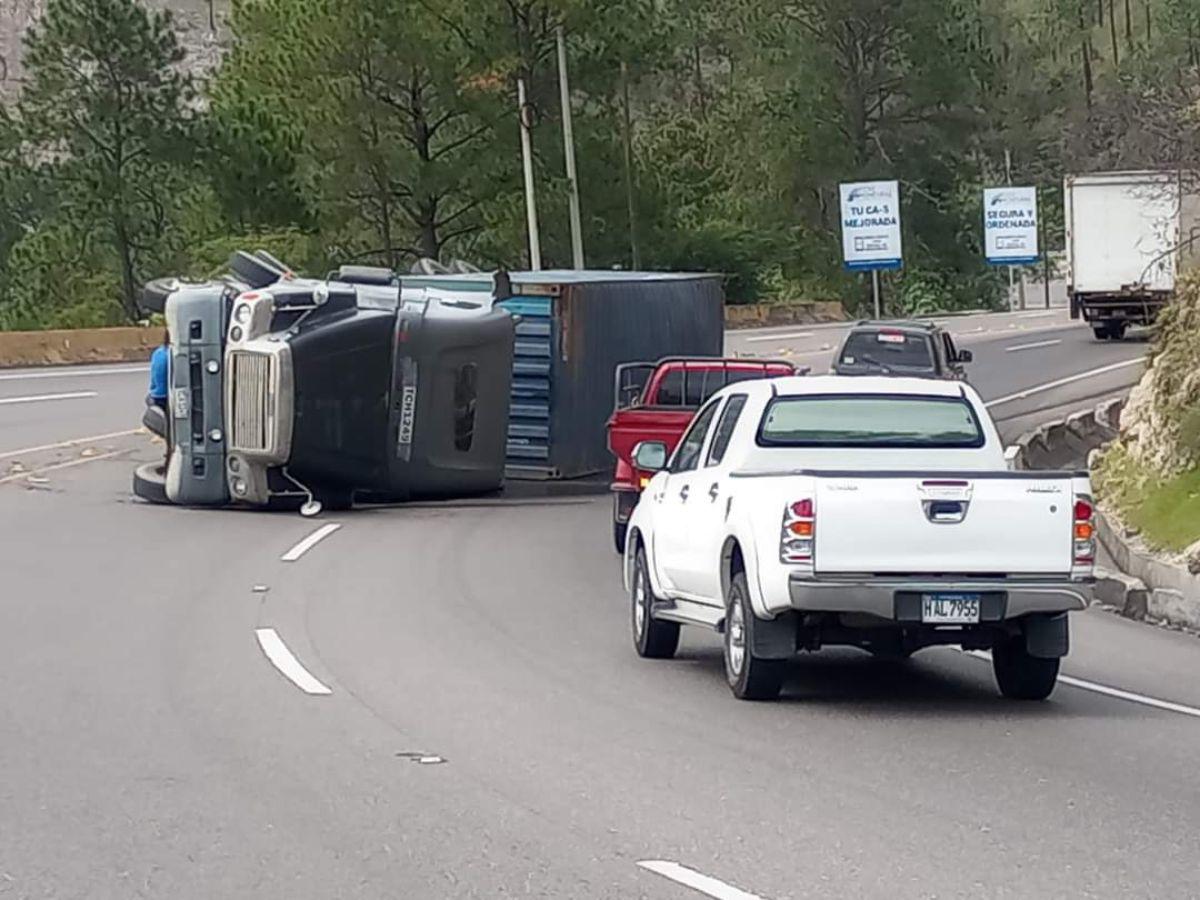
250,393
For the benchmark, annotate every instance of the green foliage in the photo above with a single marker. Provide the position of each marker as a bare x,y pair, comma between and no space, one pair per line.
385,130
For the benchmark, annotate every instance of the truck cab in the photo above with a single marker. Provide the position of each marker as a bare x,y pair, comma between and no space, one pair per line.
289,390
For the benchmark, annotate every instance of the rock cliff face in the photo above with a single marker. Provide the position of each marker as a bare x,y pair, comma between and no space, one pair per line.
1160,426
201,26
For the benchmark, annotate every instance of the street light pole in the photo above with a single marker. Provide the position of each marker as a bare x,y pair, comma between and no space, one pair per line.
569,152
535,244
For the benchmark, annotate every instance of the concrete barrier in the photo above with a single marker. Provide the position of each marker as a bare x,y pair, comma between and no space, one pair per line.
87,345
763,315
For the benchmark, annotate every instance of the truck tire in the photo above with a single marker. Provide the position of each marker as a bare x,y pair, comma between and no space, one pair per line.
1019,675
620,532
652,639
749,676
1116,331
150,483
1101,332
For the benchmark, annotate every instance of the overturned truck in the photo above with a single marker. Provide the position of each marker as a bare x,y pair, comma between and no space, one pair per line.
290,392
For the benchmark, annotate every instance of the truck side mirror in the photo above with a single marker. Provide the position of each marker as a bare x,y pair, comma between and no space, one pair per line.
650,456
965,356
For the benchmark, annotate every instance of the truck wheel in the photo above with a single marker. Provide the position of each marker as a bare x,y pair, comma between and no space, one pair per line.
652,639
150,482
749,677
1021,676
620,531
1117,331
1101,332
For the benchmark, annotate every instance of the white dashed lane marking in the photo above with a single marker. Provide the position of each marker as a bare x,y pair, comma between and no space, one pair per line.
42,398
287,664
1034,346
309,542
697,881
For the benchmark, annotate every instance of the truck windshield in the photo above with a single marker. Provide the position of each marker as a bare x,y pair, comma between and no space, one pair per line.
870,420
888,350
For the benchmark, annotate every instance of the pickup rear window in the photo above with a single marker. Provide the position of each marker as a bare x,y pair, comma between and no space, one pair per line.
888,350
870,420
694,387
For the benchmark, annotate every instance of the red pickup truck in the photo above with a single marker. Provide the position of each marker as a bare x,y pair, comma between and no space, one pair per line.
656,401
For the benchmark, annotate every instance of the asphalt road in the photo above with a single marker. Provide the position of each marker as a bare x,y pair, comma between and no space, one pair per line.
452,707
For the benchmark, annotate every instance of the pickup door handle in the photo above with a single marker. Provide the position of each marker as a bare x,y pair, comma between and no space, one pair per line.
713,491
683,493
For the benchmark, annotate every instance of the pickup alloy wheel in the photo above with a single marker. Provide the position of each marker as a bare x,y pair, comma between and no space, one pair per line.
750,677
651,638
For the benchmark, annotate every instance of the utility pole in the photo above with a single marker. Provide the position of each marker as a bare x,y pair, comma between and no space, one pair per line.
875,293
564,92
1045,251
525,115
635,255
1012,269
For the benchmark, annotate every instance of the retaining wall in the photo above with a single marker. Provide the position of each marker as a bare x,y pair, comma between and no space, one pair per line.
87,345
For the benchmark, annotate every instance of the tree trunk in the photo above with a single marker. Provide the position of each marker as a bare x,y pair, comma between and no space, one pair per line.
1086,53
124,248
1112,29
1129,24
1149,29
1100,13
428,240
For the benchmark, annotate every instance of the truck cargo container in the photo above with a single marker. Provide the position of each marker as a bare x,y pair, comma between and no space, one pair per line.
574,329
1127,236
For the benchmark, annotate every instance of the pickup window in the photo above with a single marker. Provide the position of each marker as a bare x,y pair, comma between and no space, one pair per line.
870,420
687,456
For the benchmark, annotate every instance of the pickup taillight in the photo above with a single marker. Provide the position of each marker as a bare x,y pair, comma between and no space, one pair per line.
798,533
1084,531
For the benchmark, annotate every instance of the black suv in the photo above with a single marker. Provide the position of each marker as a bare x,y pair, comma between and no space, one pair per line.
915,349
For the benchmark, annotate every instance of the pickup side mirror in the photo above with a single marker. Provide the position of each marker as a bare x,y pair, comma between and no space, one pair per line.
965,356
650,456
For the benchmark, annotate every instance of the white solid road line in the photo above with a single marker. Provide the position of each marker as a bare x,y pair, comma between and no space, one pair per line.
1049,386
309,542
710,887
1082,684
38,398
779,337
18,476
74,442
73,373
1034,346
283,660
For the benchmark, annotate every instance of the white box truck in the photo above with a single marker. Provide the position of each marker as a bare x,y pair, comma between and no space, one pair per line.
1126,234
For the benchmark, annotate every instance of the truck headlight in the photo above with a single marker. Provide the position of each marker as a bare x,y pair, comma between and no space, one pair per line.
235,333
239,486
213,367
242,313
215,435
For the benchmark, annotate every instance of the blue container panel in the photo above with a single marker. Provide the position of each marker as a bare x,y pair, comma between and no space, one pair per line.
529,419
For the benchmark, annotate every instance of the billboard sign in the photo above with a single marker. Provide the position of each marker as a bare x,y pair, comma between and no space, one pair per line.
871,225
1010,225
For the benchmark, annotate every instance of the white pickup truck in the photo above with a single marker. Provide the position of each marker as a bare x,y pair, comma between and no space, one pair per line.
878,513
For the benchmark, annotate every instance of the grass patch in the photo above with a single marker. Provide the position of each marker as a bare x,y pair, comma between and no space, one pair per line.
1169,514
1165,511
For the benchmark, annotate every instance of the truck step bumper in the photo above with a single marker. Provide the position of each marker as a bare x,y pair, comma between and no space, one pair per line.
900,599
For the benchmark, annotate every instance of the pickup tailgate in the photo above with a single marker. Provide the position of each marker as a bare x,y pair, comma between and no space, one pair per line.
989,524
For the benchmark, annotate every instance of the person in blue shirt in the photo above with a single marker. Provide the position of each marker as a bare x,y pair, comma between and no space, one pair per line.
160,366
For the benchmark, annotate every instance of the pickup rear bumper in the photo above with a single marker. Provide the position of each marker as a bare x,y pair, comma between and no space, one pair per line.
899,599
